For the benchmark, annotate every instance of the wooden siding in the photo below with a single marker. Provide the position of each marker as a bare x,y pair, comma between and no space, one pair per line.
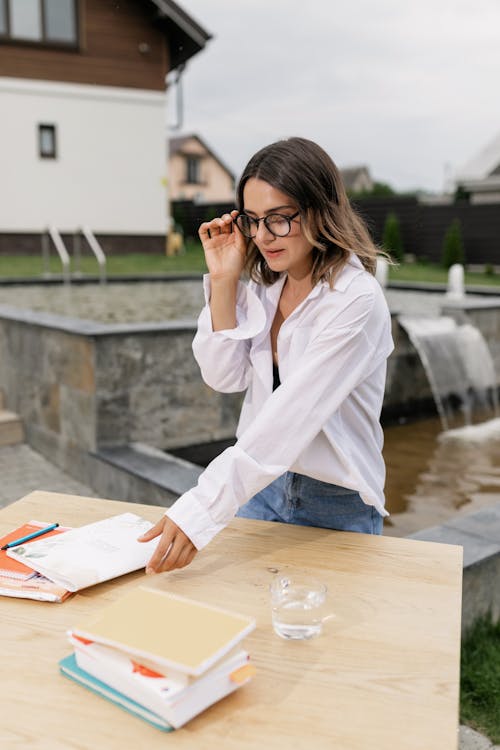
110,35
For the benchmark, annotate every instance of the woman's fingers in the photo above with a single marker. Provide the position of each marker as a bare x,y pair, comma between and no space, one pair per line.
178,553
166,541
154,531
174,549
203,231
227,224
222,225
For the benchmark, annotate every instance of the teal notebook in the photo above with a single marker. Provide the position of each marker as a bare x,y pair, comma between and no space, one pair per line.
70,668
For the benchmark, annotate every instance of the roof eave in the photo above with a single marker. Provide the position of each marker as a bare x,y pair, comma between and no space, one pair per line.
187,37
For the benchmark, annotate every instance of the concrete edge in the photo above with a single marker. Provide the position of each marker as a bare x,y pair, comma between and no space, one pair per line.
479,535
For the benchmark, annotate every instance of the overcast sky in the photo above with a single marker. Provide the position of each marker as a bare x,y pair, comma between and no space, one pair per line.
408,87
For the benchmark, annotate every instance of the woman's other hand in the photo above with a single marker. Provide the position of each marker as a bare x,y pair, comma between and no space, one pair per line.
225,247
174,550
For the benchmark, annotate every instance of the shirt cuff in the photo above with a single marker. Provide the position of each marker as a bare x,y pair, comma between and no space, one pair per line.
250,313
193,519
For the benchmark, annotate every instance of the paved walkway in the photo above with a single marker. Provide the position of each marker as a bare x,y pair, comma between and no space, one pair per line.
22,470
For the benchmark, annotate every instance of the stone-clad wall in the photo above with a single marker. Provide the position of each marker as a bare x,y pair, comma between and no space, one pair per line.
149,390
48,377
80,386
93,385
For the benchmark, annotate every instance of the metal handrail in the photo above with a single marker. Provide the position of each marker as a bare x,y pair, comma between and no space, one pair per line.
59,245
97,250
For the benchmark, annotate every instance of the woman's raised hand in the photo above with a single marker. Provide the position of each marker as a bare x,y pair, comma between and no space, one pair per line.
224,245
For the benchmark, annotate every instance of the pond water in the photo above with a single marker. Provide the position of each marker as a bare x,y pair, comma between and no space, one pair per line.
431,477
141,302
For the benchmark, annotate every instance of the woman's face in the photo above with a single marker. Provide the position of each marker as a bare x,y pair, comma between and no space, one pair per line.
293,253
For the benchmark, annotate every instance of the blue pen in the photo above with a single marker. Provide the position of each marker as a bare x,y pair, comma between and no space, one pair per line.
30,536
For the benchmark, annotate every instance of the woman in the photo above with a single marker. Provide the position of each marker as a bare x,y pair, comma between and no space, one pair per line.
308,339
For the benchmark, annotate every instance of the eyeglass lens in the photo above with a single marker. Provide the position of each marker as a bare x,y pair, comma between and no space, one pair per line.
277,224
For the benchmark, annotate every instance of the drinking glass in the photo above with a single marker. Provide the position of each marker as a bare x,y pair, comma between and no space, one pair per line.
298,606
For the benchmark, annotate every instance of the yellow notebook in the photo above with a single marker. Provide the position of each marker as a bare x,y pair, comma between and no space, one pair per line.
168,630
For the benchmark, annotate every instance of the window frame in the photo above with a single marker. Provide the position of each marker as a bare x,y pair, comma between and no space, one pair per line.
53,129
44,42
195,160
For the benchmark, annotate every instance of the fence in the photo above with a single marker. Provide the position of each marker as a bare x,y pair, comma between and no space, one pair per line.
423,226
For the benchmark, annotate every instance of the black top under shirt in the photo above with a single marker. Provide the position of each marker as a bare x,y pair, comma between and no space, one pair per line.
276,377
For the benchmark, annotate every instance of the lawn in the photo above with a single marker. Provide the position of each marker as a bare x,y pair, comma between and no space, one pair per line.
432,272
192,261
480,679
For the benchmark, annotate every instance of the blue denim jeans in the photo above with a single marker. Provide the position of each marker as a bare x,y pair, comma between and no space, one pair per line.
295,498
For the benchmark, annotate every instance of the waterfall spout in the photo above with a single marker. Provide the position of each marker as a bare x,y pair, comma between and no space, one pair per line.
456,289
458,365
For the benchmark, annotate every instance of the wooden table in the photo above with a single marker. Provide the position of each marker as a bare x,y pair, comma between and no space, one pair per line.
384,674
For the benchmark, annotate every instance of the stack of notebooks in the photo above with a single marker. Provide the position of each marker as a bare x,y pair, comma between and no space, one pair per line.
21,581
64,560
160,656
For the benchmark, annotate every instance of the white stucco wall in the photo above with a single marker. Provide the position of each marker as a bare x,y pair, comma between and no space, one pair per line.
110,169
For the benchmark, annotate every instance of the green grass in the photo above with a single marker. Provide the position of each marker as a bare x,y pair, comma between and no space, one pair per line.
480,679
190,261
431,272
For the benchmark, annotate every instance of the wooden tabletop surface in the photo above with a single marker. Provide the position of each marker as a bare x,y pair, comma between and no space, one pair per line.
384,674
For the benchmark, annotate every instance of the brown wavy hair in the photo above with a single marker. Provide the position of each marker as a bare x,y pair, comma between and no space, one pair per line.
303,170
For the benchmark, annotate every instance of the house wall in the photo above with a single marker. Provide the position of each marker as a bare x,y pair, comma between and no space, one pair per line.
109,55
215,183
110,168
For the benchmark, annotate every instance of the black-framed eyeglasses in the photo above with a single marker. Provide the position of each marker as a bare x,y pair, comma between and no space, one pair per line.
278,224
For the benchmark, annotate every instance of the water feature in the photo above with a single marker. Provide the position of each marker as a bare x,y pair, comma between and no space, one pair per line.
382,272
458,365
435,475
455,287
145,382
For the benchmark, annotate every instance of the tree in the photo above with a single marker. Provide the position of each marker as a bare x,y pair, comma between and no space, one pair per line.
391,239
453,246
379,190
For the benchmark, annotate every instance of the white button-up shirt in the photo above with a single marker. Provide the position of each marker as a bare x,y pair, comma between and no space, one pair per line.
323,421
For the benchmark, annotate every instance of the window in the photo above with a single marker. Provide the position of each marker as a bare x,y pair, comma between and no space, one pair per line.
40,21
3,18
47,142
193,169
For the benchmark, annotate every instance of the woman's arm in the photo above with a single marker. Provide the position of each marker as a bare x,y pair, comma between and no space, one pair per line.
232,315
336,361
225,250
223,356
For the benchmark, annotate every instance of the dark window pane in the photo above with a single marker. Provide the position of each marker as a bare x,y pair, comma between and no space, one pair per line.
193,169
60,21
25,19
47,141
3,20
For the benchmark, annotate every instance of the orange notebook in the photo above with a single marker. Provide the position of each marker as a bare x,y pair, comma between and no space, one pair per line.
21,582
10,568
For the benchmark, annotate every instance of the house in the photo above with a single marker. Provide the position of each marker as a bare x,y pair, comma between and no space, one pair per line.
357,179
479,178
83,103
196,173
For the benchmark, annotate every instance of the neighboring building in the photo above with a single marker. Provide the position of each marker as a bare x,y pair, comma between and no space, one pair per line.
479,179
196,173
357,179
83,103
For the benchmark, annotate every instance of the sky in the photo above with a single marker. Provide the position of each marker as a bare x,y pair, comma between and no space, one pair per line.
407,87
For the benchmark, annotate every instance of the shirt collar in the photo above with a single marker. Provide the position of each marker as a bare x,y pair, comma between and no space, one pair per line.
348,273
